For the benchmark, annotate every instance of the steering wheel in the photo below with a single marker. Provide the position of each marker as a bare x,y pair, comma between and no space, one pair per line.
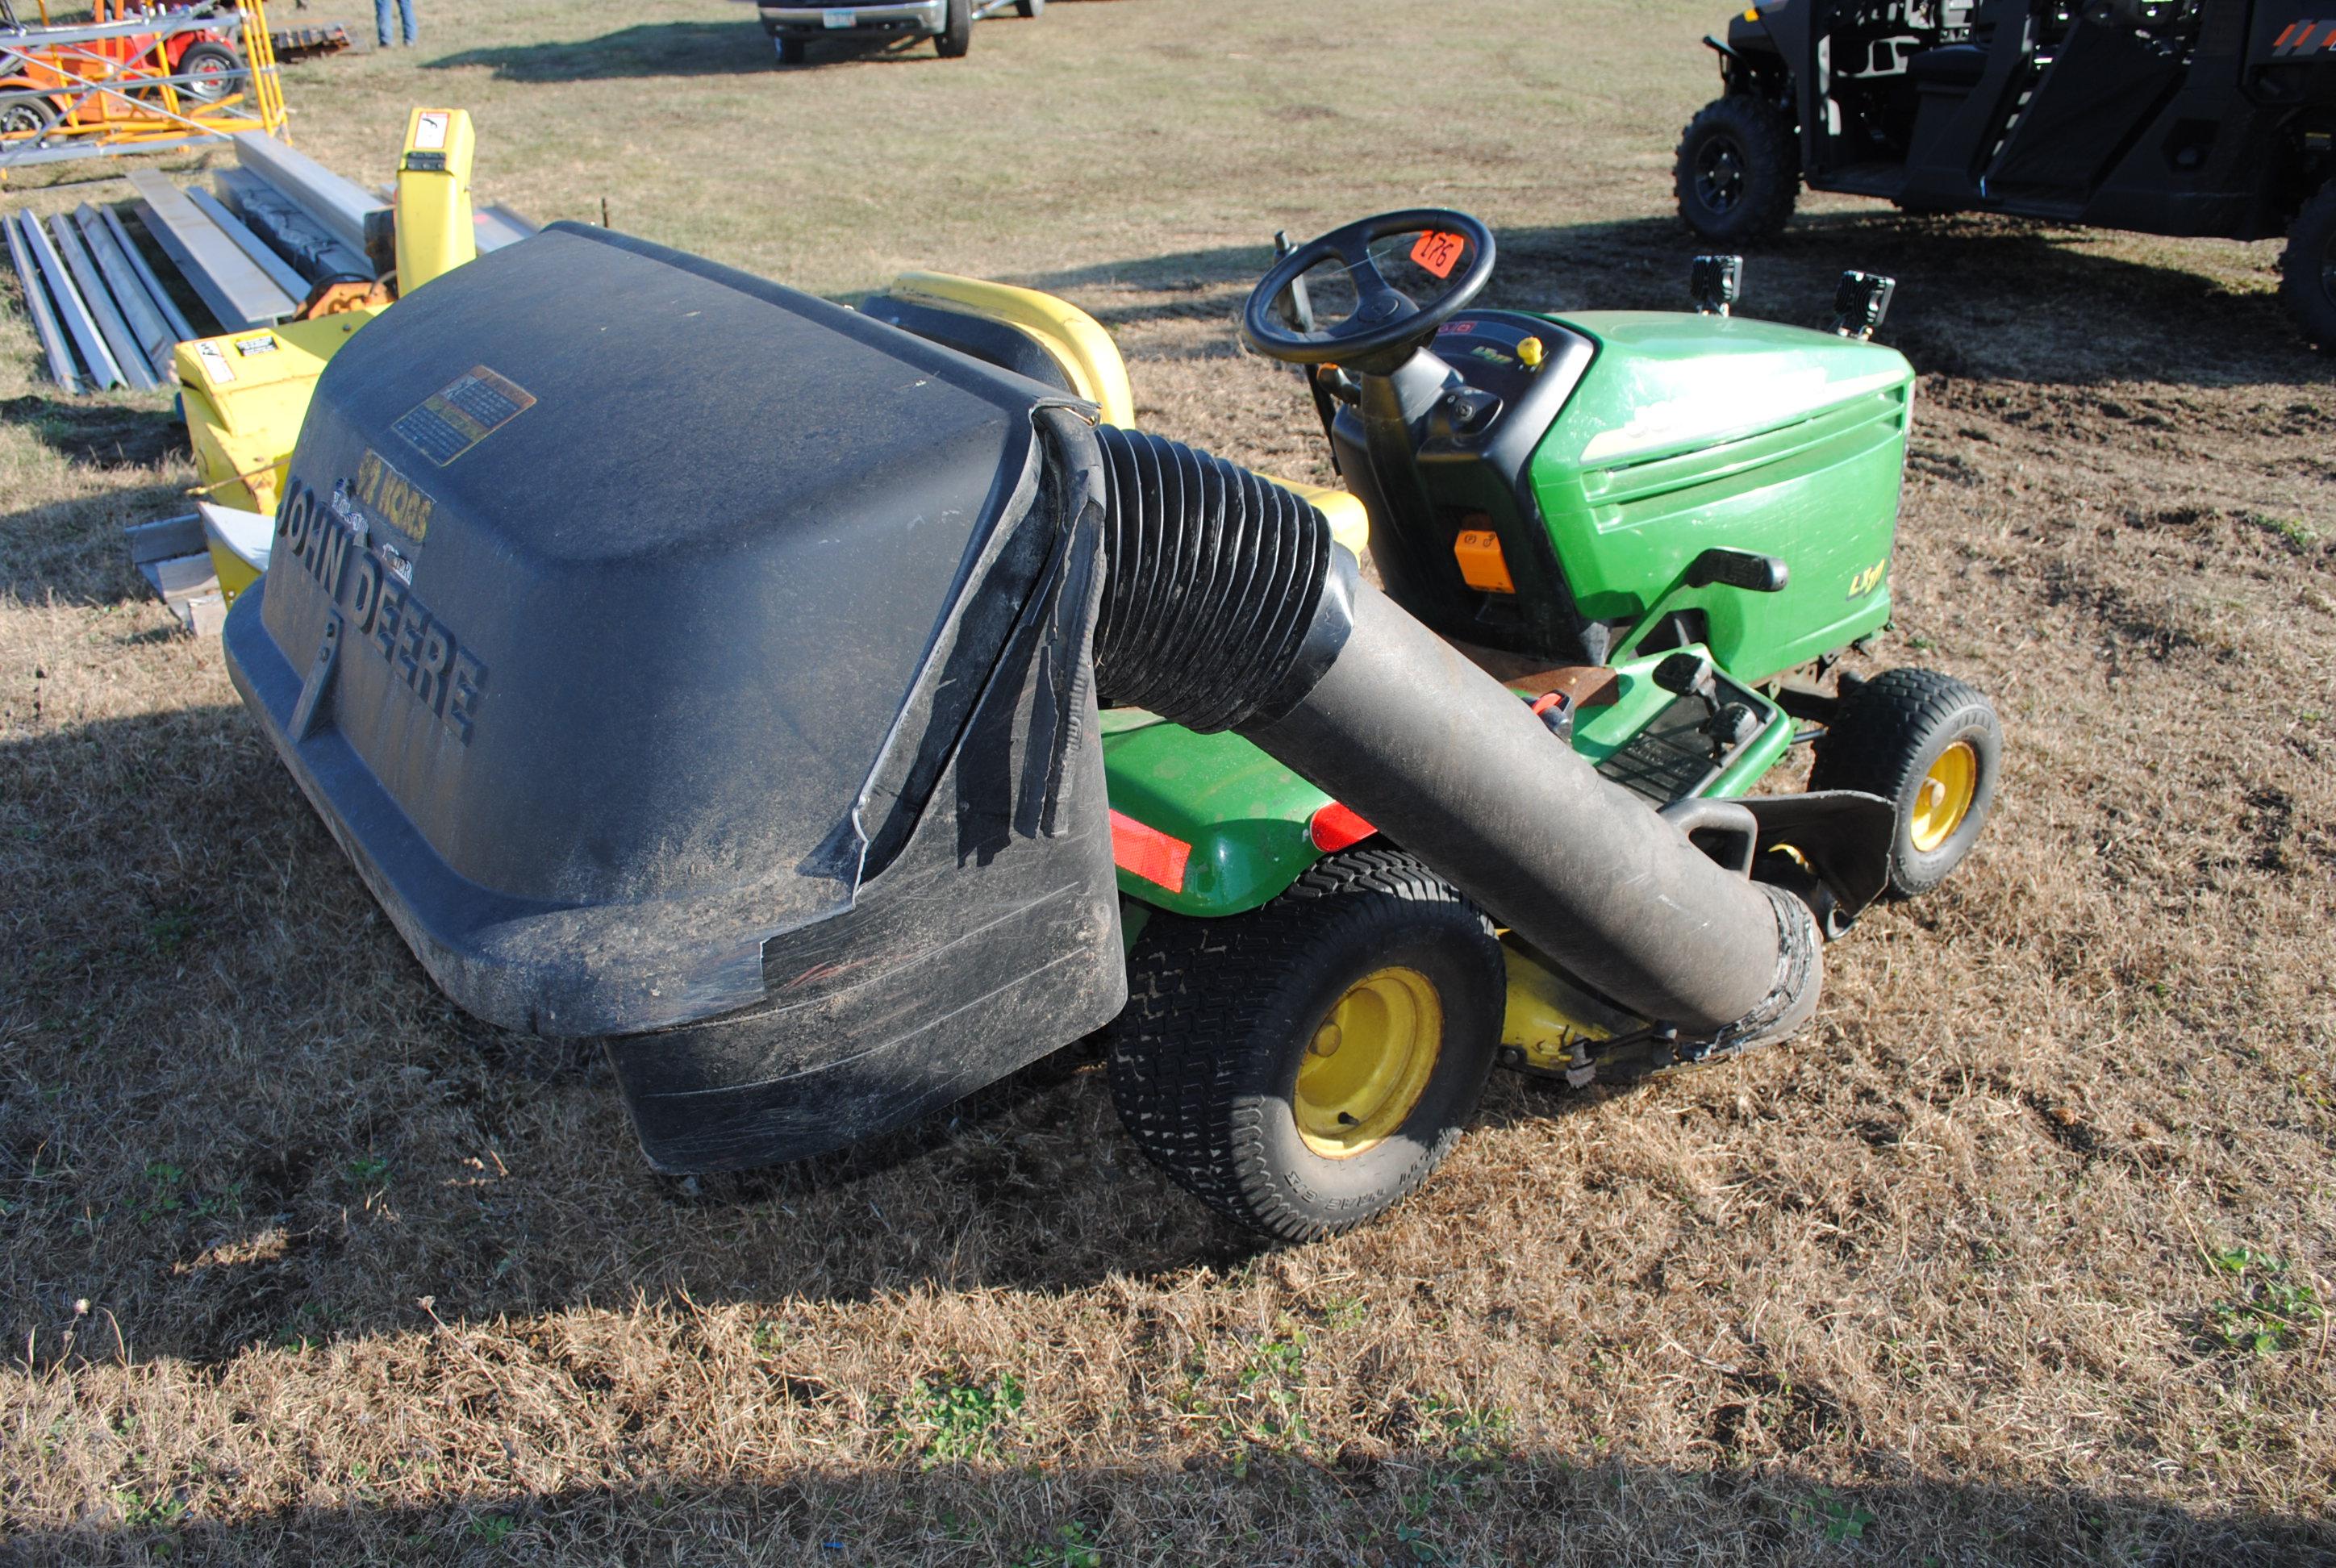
1387,325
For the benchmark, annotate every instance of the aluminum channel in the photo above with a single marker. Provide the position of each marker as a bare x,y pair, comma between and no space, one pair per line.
103,371
128,353
289,229
154,335
180,328
238,293
341,205
45,319
280,272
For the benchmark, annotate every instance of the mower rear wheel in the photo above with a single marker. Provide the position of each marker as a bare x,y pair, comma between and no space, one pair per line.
956,35
1930,745
2308,270
1738,171
1303,1068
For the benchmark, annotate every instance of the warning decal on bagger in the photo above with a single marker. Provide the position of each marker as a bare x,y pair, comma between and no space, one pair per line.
463,413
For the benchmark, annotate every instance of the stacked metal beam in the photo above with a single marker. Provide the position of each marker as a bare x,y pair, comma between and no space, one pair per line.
280,226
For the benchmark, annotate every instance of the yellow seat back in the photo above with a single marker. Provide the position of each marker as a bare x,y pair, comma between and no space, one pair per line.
1076,340
1091,361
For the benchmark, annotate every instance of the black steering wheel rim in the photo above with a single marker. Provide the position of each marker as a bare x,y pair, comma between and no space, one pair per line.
1386,323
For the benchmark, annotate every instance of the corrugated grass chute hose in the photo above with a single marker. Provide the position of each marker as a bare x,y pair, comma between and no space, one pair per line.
1226,605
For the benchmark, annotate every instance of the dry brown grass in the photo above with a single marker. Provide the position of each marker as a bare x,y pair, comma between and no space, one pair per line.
1936,1282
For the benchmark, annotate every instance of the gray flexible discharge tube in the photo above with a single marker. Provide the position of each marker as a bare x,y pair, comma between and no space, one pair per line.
1379,712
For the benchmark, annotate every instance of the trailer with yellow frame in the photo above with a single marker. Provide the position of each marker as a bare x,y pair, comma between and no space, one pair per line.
134,81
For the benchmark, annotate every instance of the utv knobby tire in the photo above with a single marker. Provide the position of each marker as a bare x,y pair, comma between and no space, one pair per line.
2308,270
1884,740
1220,1012
1757,135
956,35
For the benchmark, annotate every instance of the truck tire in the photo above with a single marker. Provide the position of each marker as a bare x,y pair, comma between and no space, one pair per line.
2308,270
1303,1068
1932,746
956,35
1738,171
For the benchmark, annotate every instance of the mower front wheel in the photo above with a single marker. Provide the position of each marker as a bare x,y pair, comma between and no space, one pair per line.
1930,745
2308,270
1738,171
1303,1068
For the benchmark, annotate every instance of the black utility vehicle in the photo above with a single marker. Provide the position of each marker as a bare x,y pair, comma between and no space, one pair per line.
2204,117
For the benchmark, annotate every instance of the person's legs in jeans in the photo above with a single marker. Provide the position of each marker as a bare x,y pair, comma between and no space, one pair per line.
383,10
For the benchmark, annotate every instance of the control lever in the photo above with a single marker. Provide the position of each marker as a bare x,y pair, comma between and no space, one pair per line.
1729,728
1688,675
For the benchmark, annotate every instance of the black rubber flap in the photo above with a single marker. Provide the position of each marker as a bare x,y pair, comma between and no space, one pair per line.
637,625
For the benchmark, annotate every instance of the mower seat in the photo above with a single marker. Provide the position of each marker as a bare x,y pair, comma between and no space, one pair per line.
1053,342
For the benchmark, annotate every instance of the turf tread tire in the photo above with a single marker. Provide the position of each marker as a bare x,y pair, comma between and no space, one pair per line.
2304,286
1194,1086
1772,174
1887,734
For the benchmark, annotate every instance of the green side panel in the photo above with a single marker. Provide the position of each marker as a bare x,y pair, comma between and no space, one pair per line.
1244,813
1694,431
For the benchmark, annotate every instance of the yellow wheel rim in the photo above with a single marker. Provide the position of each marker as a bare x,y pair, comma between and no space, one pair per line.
1367,1062
1944,797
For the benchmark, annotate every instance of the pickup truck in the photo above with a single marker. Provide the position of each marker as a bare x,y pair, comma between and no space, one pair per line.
947,23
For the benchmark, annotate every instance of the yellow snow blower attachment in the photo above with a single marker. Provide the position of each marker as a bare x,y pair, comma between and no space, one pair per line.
245,394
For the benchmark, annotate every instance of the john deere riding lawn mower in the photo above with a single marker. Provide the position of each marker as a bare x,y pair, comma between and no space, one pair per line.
827,710
2193,117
